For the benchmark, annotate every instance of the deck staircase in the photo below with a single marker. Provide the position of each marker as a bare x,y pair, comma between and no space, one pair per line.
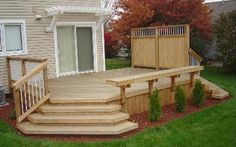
216,92
80,118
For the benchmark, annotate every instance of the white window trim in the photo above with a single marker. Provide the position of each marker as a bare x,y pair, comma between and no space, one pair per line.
24,37
76,24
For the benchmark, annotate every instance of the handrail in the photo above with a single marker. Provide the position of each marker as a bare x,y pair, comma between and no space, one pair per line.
195,55
31,89
29,75
26,59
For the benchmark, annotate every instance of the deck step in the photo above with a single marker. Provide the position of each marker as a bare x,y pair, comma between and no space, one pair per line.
30,128
39,118
79,109
217,92
82,100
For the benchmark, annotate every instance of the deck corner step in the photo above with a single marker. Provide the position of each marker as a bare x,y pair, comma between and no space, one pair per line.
83,109
29,128
39,118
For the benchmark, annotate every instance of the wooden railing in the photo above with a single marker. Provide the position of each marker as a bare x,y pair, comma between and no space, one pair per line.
194,58
28,83
125,82
171,30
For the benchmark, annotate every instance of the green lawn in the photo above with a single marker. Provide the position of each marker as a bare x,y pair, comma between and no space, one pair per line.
215,126
117,63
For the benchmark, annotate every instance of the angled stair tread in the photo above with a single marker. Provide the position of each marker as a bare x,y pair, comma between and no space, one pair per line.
217,92
82,100
29,128
60,119
80,108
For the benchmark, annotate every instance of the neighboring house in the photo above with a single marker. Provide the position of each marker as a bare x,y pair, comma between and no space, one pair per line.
69,33
216,9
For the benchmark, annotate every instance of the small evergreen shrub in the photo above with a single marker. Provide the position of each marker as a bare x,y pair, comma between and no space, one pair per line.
180,100
198,94
155,106
12,114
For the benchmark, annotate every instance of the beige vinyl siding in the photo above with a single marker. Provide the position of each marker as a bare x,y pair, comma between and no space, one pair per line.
39,43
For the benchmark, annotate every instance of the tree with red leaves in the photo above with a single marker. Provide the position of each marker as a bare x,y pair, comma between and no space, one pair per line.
110,51
145,13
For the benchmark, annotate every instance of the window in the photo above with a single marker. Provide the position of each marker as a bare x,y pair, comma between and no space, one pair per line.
12,37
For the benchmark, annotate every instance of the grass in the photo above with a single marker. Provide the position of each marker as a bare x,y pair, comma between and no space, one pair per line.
116,63
215,126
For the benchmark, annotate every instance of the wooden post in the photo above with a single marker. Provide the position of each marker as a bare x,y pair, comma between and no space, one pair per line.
173,82
23,68
150,85
9,76
123,96
192,79
45,78
17,102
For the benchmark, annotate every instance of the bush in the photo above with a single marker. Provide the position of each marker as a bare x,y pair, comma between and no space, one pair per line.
225,31
12,114
180,100
198,94
155,106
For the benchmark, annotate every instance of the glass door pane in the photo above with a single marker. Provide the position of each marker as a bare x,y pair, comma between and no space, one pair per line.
66,49
85,48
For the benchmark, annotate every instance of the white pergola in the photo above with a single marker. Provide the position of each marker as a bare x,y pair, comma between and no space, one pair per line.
55,11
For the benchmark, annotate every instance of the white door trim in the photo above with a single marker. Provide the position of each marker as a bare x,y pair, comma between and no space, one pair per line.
76,24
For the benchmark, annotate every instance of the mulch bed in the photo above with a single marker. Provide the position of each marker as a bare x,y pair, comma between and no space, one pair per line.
168,114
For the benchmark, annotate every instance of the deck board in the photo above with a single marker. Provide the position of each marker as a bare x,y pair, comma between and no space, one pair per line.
93,85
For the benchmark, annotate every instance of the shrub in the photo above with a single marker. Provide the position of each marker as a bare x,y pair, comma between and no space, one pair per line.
12,114
155,106
225,31
198,94
180,100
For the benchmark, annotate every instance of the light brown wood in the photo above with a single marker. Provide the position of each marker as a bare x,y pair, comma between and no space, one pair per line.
26,59
9,76
23,68
29,75
192,78
45,78
139,103
166,47
32,109
150,86
195,55
17,103
152,75
172,83
30,128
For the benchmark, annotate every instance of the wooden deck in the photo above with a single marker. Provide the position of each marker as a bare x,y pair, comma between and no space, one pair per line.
87,104
93,86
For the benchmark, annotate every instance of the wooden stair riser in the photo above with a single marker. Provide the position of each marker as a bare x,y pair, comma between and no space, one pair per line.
76,110
68,101
79,113
76,120
28,128
80,124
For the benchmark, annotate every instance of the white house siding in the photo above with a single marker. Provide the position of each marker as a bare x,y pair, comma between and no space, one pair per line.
39,43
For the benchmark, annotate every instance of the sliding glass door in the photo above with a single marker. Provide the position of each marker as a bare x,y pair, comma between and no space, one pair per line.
75,49
85,49
66,49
